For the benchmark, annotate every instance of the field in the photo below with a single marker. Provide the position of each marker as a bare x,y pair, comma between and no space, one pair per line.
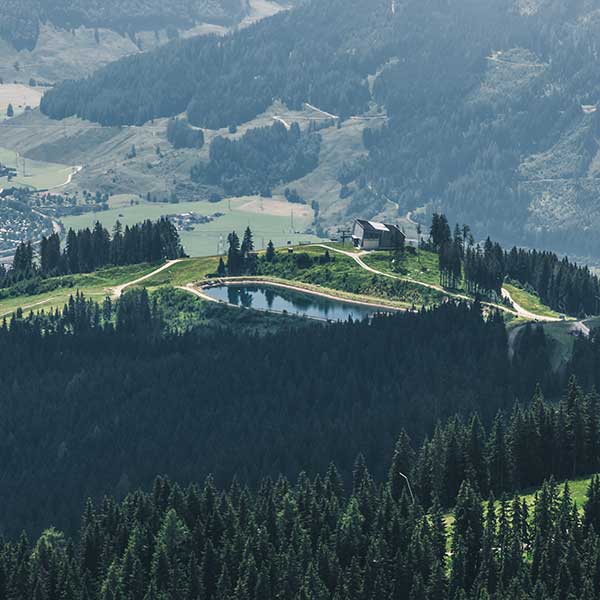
272,223
104,152
20,96
342,275
37,174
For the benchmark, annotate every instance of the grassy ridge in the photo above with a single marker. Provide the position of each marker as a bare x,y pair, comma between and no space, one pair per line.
341,276
54,292
344,275
424,268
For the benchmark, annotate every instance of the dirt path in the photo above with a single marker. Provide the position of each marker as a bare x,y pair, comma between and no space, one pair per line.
75,171
192,289
518,311
282,121
324,113
28,307
118,290
525,314
357,258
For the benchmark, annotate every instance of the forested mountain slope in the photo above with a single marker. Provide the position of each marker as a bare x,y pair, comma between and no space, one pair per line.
100,408
491,104
20,19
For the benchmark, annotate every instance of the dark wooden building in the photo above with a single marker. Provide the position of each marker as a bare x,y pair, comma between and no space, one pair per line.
370,235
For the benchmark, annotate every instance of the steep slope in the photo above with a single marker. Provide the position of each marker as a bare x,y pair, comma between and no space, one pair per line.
20,21
490,105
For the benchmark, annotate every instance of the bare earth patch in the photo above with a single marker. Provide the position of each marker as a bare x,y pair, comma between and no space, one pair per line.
19,96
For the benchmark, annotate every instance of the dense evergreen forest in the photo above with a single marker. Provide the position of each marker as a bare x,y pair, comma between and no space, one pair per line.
301,56
20,19
87,250
560,284
182,135
260,160
313,541
93,397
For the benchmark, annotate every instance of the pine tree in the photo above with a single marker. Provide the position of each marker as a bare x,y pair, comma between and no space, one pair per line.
234,256
402,465
467,538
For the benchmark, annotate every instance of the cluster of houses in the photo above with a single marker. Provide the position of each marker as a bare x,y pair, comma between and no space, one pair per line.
186,221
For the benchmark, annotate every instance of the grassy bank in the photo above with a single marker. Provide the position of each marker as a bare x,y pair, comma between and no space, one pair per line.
529,301
318,267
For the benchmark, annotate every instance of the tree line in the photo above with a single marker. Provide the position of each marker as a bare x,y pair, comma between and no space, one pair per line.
300,56
238,403
519,450
564,286
86,250
20,21
312,540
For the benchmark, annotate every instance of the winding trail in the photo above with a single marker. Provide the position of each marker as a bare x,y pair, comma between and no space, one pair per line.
517,311
357,257
525,313
282,121
116,292
323,112
74,171
28,307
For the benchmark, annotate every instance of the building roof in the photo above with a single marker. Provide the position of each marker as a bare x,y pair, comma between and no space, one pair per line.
373,226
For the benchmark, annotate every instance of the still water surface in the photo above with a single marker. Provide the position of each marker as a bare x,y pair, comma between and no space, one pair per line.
280,300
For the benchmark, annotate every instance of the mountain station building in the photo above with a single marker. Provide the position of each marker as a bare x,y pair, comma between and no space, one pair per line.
370,235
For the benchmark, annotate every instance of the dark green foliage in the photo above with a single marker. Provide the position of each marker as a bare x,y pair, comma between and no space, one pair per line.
260,160
585,361
562,285
85,251
182,135
236,403
308,55
311,541
20,20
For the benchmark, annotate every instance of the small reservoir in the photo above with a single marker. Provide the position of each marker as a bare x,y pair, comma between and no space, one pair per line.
281,300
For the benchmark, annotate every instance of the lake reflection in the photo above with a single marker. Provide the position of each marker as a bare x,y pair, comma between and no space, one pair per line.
280,300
